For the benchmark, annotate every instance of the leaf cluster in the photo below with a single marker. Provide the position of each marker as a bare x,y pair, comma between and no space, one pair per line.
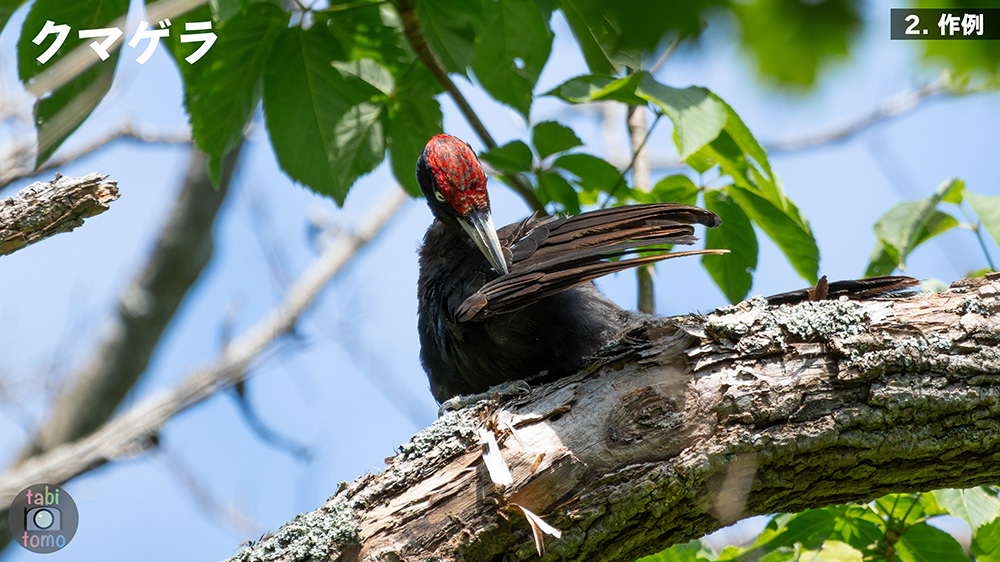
910,224
894,527
710,137
346,84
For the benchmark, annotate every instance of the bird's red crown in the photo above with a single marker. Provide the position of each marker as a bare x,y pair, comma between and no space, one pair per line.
458,174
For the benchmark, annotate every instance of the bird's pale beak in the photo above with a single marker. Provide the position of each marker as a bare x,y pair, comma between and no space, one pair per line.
479,225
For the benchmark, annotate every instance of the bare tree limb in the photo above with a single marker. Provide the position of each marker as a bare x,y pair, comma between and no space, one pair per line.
22,157
888,109
136,429
182,251
666,54
894,106
637,133
46,208
91,395
688,424
224,514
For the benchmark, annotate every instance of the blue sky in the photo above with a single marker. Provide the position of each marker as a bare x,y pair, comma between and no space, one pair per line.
351,389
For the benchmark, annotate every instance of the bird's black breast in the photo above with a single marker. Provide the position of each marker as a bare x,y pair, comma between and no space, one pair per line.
553,335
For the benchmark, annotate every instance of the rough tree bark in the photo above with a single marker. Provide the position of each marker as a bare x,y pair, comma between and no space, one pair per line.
690,424
46,208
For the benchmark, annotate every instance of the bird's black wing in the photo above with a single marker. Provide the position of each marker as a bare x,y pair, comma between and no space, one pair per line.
551,254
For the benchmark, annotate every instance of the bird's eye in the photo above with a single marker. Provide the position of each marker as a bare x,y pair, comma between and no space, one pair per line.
439,196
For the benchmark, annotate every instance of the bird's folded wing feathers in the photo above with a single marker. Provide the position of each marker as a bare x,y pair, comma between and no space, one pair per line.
871,287
551,254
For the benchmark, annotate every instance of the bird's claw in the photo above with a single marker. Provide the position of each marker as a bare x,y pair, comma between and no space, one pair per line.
504,389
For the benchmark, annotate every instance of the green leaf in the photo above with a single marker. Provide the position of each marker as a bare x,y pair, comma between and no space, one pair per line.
691,551
833,551
513,158
598,87
450,27
883,261
222,10
972,57
809,529
589,36
912,223
961,57
733,272
223,88
62,112
592,174
555,187
370,71
781,554
986,542
363,33
414,117
550,137
758,191
618,33
858,526
987,208
325,126
511,50
898,506
697,114
975,506
784,226
7,9
77,15
741,157
676,188
580,89
793,39
725,153
378,55
757,162
906,226
930,505
925,543
359,141
954,193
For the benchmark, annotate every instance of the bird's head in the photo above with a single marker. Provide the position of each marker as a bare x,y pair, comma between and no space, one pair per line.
453,181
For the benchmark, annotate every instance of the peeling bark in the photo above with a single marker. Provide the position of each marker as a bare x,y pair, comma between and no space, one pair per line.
687,425
46,208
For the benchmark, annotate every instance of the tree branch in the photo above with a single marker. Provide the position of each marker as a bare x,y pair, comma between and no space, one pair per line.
637,133
23,155
687,425
136,429
46,208
890,108
183,250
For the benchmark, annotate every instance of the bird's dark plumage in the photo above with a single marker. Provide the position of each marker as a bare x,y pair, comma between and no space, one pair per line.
526,306
871,287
